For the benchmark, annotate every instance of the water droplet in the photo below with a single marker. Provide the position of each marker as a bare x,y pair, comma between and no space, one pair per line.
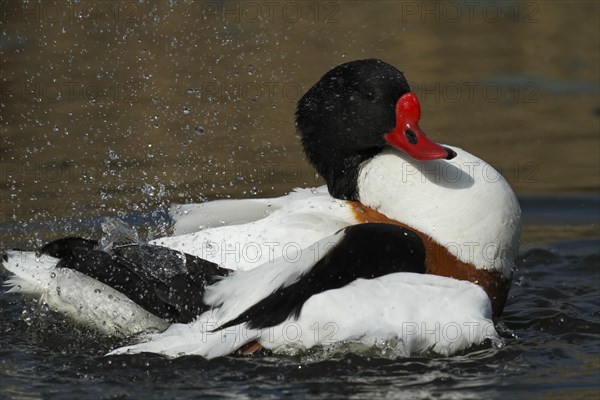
199,130
112,155
97,291
53,275
186,110
148,189
250,70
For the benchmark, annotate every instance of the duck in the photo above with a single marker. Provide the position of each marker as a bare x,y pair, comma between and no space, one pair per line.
410,243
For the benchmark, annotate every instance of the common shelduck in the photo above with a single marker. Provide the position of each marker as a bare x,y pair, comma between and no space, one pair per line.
410,243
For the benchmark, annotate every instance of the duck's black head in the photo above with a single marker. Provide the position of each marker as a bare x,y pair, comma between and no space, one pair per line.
351,114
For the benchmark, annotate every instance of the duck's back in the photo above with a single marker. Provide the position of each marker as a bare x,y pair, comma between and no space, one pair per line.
242,235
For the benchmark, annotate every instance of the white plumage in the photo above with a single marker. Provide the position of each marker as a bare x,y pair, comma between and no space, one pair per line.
78,296
422,312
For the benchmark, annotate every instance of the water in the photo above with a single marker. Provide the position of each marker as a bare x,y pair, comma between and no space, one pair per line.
119,109
550,349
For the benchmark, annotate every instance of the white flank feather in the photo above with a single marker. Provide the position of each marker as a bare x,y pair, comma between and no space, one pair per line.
422,312
191,218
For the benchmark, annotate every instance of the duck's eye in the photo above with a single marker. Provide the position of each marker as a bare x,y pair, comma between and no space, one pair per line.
411,136
369,95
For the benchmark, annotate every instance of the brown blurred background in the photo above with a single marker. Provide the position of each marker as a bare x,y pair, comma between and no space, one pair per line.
117,107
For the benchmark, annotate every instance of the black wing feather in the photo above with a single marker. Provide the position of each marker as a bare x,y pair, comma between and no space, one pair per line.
366,251
165,282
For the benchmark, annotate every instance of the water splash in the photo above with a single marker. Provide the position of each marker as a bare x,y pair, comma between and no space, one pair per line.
116,231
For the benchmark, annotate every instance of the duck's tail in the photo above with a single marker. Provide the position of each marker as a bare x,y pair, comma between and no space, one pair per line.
121,291
31,272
